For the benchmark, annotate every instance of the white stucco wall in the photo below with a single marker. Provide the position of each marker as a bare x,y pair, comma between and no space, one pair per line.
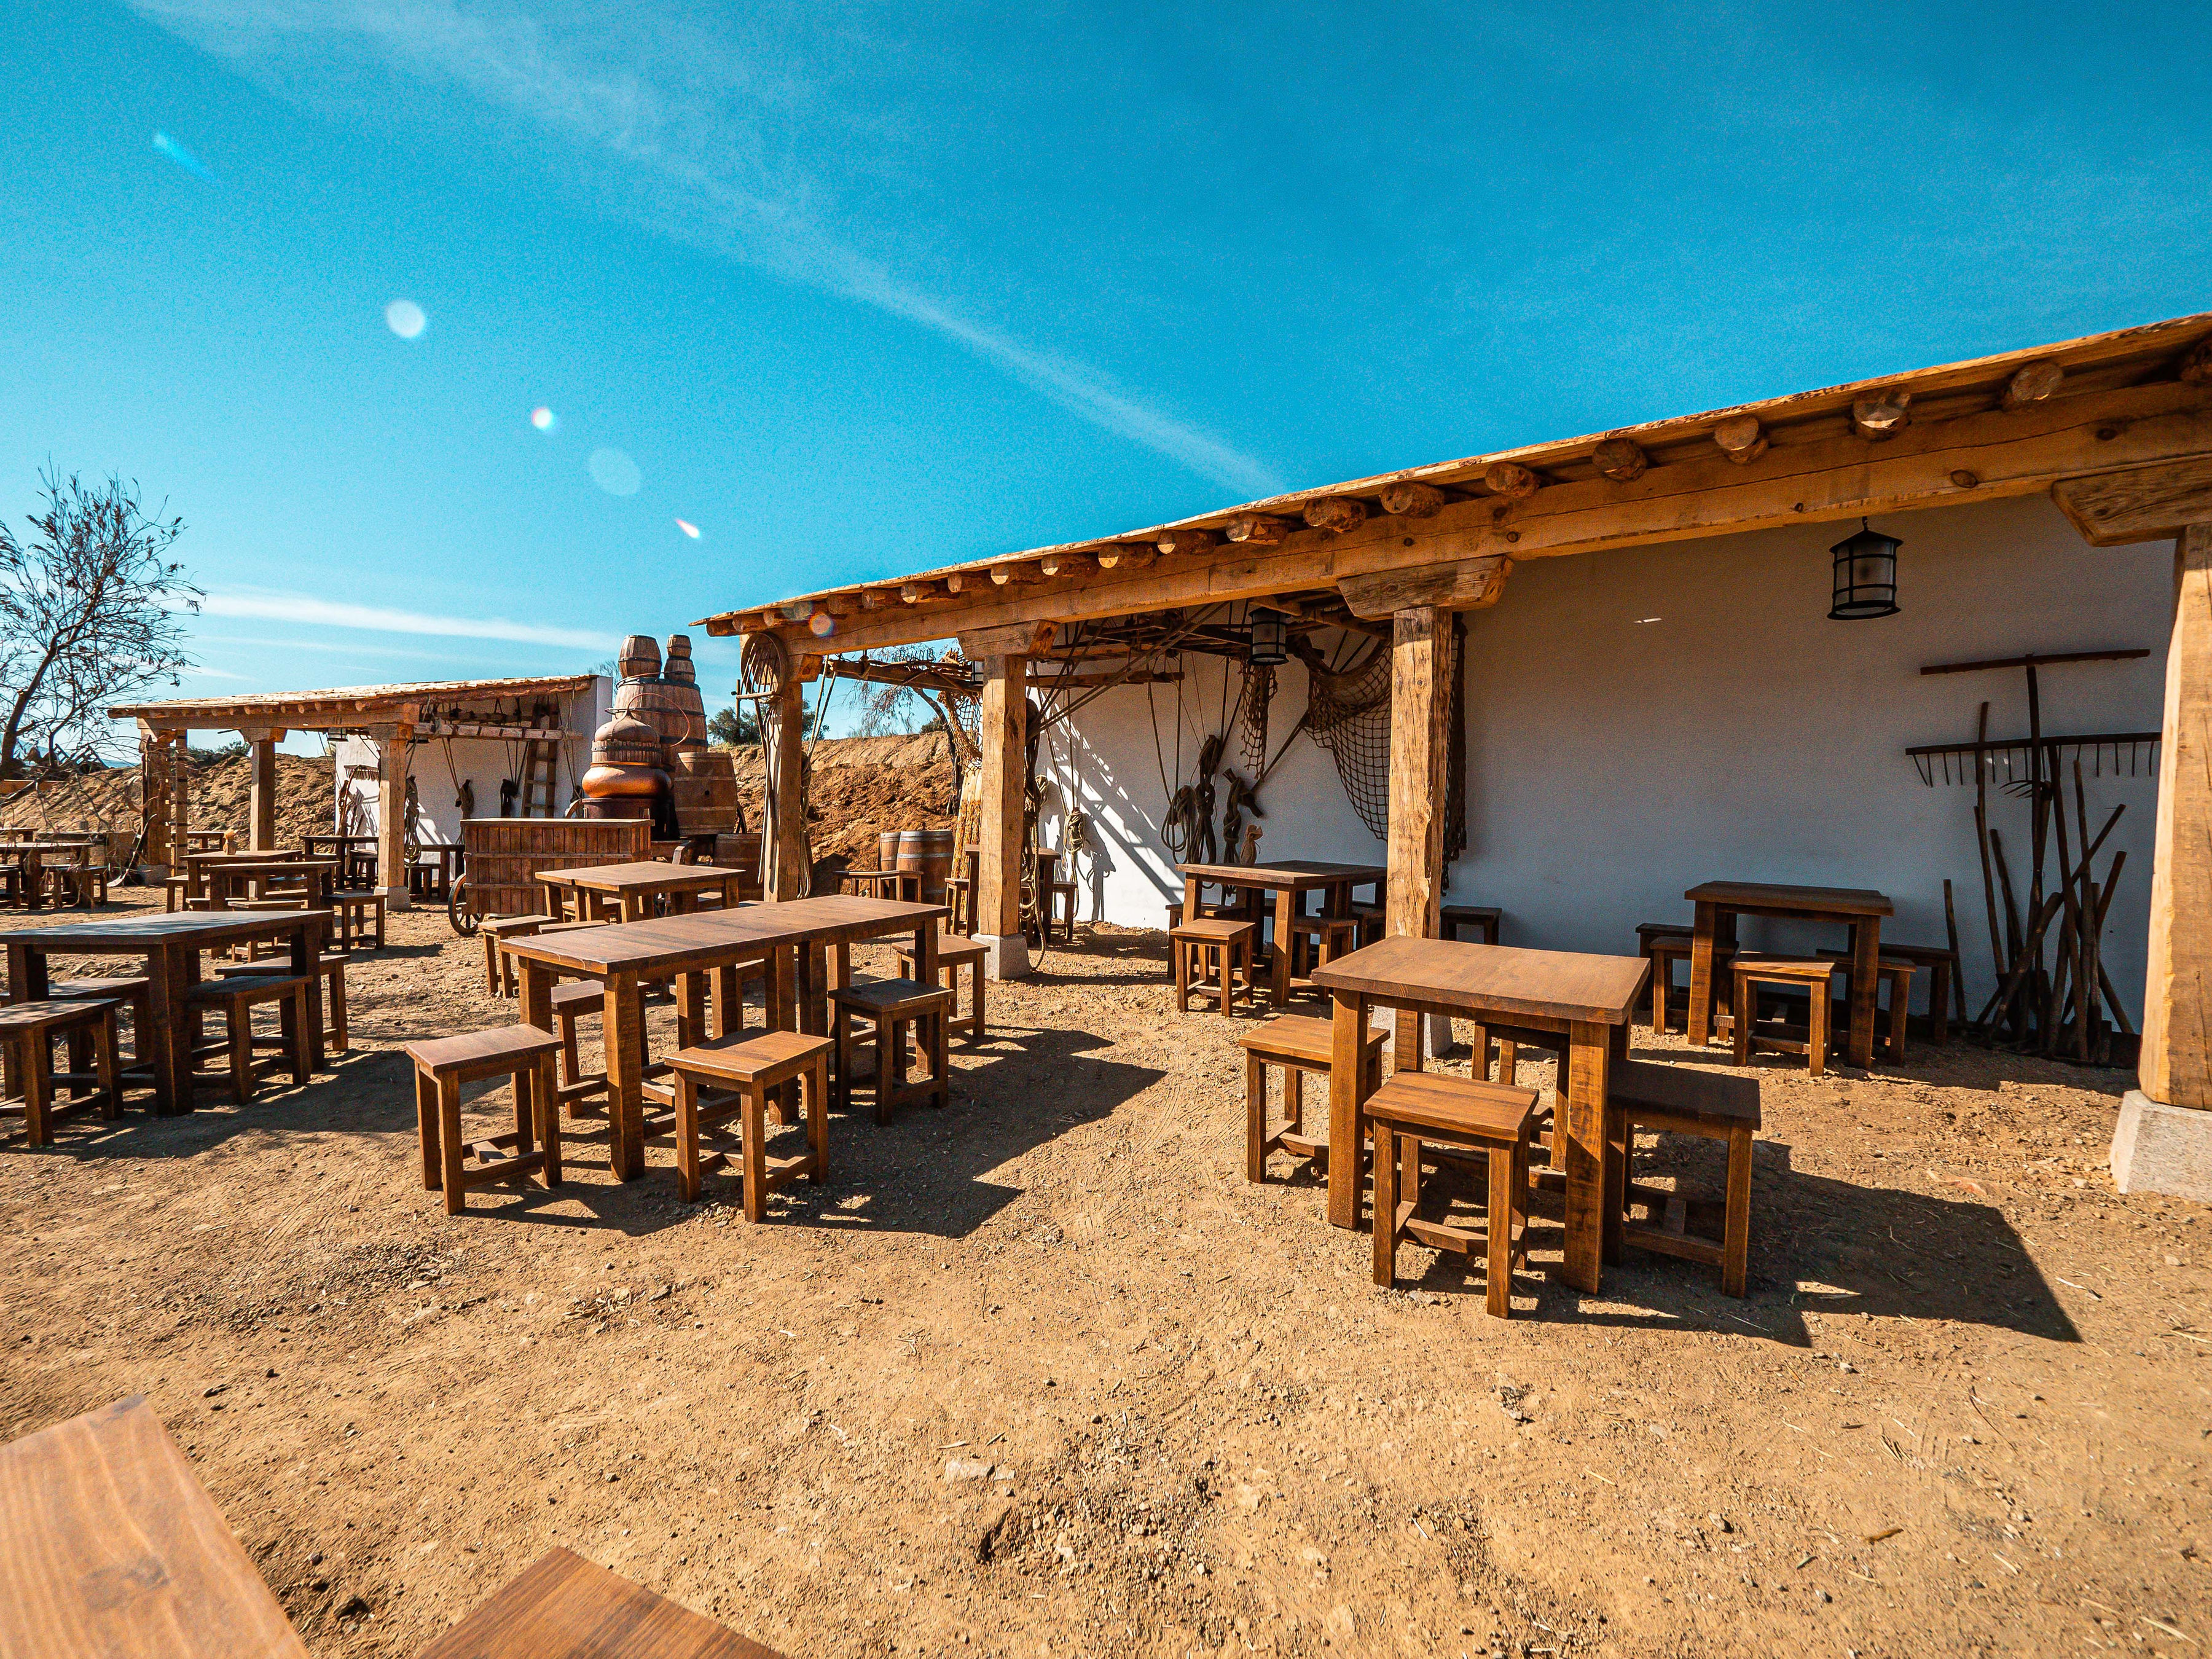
441,766
1614,761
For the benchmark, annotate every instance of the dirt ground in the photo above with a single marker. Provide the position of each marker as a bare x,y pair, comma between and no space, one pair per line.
1042,1374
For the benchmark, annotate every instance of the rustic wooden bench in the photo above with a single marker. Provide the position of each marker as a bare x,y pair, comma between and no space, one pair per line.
1216,946
237,999
952,954
331,969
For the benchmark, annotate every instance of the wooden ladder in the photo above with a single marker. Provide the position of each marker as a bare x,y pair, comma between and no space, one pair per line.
540,768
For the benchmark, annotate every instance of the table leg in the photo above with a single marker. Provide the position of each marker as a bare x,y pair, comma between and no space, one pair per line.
27,973
690,1009
1700,1018
1579,1149
728,1005
623,1020
169,975
813,989
1347,1094
307,962
1866,971
1190,898
1286,907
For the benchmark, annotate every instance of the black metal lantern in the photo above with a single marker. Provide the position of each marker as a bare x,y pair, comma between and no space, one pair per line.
1269,629
1866,576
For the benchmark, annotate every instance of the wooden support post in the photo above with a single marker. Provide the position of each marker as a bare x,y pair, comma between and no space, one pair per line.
392,744
2176,1067
1006,767
261,794
180,794
1420,730
788,878
154,798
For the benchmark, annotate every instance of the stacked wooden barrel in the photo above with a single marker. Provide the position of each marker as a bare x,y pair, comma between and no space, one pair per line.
929,854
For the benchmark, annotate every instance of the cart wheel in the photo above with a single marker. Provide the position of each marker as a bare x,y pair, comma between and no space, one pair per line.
466,922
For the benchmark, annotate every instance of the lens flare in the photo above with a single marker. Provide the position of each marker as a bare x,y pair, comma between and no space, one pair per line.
405,318
615,472
822,624
688,528
183,157
544,419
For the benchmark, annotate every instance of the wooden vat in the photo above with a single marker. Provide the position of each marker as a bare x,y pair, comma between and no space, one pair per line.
930,853
504,856
706,782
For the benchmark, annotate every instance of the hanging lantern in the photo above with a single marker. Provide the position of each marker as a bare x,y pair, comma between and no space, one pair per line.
1866,576
1269,629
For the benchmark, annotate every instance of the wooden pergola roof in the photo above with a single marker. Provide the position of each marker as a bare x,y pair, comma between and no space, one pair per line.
2013,424
342,710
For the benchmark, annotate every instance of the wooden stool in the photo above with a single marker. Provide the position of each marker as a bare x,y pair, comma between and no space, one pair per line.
27,1031
332,968
1678,1100
500,976
359,920
1816,975
1451,917
953,954
574,1000
1331,936
133,993
750,1067
1897,959
1664,951
1374,922
1055,892
1223,945
238,998
522,1053
1299,1044
891,1005
1418,1109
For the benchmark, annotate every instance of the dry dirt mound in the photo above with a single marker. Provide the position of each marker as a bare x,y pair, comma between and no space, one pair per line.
109,800
863,786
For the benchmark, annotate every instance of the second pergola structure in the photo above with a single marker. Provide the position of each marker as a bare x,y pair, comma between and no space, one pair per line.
394,717
2116,428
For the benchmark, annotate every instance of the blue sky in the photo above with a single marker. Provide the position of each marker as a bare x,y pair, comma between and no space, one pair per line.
864,290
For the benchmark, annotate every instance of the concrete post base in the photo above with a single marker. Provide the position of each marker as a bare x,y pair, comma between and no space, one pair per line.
397,898
1009,956
1437,1030
2163,1149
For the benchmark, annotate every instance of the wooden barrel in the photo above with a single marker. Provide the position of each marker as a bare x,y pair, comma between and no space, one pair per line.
660,705
639,658
930,852
706,791
887,850
681,681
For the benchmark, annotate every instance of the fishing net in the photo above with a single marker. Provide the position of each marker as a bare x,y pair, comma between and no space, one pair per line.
1252,718
1349,715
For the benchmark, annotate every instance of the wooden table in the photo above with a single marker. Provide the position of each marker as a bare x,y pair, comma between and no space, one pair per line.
636,886
566,1607
903,884
1587,998
1290,880
110,1545
226,880
29,856
700,952
341,848
1858,908
170,943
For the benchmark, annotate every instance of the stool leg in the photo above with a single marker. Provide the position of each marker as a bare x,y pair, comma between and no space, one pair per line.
1294,1099
1662,982
1181,952
1386,1205
1227,958
451,1148
1256,1116
1900,1017
1509,1062
940,1069
518,1086
547,1105
1736,1233
1409,1171
241,1028
299,1028
755,1156
817,1118
335,996
1938,1003
491,964
890,1053
686,1090
1745,1010
110,1069
1618,1139
1816,1032
426,1129
1499,1289
36,1061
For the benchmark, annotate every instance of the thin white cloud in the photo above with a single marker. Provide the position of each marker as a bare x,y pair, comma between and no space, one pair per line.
702,133
330,613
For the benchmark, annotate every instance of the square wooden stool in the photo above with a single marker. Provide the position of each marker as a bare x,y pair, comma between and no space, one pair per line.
238,998
332,969
1895,975
500,977
574,1000
133,993
718,1081
891,1005
954,953
1682,1101
1212,945
1300,1045
1418,1109
27,1031
1452,917
1316,939
1816,975
522,1054
1664,951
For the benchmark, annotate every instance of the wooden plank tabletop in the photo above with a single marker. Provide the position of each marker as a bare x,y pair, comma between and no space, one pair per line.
562,1607
142,933
1498,978
109,1545
1287,872
647,876
670,943
1838,900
